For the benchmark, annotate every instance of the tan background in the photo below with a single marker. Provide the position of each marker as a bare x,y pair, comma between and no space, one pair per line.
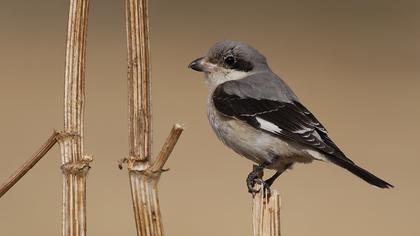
355,64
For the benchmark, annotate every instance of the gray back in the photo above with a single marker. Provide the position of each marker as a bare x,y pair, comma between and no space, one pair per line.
264,85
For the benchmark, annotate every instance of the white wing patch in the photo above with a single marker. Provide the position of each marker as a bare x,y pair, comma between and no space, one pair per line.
268,126
302,131
317,155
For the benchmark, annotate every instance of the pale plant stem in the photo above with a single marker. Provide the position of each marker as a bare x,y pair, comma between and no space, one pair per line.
75,164
144,174
266,213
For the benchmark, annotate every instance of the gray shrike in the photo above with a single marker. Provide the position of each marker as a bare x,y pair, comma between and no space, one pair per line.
255,113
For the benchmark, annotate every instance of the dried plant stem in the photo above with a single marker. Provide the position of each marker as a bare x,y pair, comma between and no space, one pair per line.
137,25
266,213
15,177
144,191
75,163
143,172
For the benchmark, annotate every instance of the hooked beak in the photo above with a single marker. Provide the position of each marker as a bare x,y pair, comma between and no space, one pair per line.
201,65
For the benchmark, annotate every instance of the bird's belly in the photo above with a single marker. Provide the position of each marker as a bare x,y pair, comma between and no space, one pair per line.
254,144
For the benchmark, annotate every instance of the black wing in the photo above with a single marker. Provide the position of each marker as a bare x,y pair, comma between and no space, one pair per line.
292,119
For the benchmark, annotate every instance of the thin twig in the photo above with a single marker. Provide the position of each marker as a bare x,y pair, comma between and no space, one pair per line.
75,164
167,148
266,213
15,177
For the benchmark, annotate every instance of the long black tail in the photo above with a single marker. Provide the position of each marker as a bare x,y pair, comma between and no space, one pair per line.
362,173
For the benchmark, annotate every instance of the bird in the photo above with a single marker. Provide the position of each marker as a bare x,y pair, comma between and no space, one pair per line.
256,114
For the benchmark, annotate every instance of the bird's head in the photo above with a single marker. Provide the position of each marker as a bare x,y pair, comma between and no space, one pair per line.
229,60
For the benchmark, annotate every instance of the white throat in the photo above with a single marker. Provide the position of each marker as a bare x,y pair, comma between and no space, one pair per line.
216,78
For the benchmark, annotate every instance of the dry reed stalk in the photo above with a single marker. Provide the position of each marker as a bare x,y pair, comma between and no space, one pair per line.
19,173
266,213
75,164
144,177
143,172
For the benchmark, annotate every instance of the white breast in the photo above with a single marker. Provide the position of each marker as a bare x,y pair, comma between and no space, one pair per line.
254,144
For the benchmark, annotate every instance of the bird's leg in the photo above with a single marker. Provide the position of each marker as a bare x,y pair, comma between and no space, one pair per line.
256,177
271,180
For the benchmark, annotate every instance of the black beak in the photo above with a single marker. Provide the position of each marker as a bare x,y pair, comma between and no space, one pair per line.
197,64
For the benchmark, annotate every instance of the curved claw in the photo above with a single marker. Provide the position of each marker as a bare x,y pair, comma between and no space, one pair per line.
252,180
253,191
251,188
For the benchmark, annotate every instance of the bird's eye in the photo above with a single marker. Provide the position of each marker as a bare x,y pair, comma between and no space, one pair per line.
230,60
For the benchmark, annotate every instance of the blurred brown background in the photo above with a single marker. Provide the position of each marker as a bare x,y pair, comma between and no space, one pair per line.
355,64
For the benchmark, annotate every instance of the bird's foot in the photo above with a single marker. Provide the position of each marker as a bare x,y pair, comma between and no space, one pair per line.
255,177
